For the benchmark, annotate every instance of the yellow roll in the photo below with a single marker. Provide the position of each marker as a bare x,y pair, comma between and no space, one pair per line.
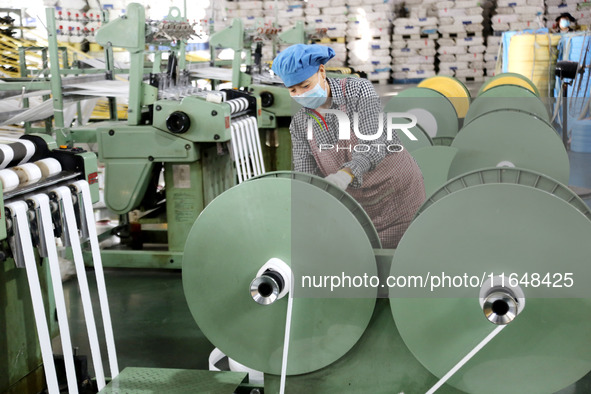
534,56
509,81
451,88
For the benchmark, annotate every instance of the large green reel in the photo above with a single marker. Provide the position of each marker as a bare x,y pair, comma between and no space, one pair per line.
515,176
498,228
510,138
435,113
507,97
311,231
345,198
505,79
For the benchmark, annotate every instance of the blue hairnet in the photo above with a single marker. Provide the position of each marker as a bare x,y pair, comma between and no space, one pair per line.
299,62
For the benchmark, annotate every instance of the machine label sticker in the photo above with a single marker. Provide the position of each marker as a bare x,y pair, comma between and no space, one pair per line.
92,178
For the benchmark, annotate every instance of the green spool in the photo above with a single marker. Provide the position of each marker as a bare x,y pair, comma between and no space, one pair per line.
507,97
345,198
309,230
496,228
506,138
435,113
505,79
515,176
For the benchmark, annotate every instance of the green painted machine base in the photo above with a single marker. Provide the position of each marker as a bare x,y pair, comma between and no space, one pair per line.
379,362
174,381
129,258
20,354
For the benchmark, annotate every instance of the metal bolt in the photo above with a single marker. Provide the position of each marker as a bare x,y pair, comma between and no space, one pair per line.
216,137
214,113
187,147
151,158
158,108
111,132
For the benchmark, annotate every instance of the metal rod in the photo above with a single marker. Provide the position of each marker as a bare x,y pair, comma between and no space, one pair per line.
56,82
565,115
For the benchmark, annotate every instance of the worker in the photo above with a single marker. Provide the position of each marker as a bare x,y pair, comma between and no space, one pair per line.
565,23
377,172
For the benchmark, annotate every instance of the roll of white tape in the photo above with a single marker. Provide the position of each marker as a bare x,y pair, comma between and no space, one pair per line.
9,180
214,98
28,173
49,167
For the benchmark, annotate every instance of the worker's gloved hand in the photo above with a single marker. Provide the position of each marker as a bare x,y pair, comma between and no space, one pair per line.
340,179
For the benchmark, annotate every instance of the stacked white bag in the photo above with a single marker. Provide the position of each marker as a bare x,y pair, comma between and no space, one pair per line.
332,16
461,45
583,14
283,14
580,10
250,11
513,15
368,38
414,41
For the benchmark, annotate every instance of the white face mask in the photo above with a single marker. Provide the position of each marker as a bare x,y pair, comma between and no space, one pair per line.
314,97
564,23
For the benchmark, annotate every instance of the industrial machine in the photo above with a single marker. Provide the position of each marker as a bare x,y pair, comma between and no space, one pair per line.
200,143
46,190
315,314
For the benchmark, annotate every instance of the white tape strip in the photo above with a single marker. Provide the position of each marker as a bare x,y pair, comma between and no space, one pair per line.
286,339
257,140
237,142
64,195
242,125
251,146
8,155
236,151
83,187
466,358
30,147
41,202
19,211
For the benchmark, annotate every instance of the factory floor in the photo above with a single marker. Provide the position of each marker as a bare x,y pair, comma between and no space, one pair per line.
152,323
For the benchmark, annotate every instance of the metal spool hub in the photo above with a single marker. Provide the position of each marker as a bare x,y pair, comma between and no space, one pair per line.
312,233
510,138
507,97
495,228
435,113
